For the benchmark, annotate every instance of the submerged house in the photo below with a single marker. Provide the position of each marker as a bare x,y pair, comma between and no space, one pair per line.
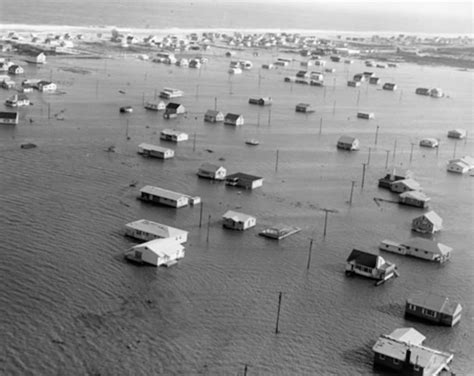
279,232
389,86
213,116
242,180
365,115
163,196
428,223
432,307
149,150
369,265
155,105
402,352
211,171
9,117
262,101
304,107
422,91
15,69
461,165
414,198
46,86
394,176
374,80
173,135
238,221
148,230
427,249
348,143
405,185
457,133
234,119
429,142
172,110
353,83
17,100
157,252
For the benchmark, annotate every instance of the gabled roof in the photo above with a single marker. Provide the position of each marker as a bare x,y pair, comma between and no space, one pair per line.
146,146
242,176
433,302
347,139
155,228
234,117
209,167
407,335
161,247
213,112
173,105
410,183
417,195
160,192
236,216
428,245
432,217
363,258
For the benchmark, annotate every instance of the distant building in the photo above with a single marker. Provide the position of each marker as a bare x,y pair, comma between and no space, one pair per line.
405,185
173,110
304,107
457,133
213,116
173,135
156,252
147,230
9,118
348,143
461,165
242,180
163,196
369,265
414,198
149,150
233,119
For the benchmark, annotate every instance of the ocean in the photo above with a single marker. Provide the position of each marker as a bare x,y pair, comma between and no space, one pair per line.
71,305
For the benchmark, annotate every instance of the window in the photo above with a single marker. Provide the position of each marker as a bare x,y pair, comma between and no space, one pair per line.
428,312
395,361
411,307
416,367
381,356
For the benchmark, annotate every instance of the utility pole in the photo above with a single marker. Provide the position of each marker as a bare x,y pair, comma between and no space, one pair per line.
326,219
278,313
276,161
321,125
363,176
352,191
386,159
208,226
368,158
411,151
200,215
376,135
309,254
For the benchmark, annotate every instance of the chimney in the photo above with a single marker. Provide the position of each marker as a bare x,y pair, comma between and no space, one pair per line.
408,357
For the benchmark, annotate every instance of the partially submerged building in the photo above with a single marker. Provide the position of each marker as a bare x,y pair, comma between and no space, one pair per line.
428,223
212,171
414,198
213,116
166,197
369,265
148,230
419,247
348,143
149,150
156,252
238,221
402,352
243,180
173,135
233,119
434,308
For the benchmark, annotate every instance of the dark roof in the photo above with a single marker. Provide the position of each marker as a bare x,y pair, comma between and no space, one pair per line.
433,302
243,176
172,105
363,258
230,116
8,115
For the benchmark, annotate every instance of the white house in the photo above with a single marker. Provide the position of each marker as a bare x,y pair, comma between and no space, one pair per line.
429,142
457,133
427,249
238,221
156,252
404,185
233,119
173,135
414,198
155,105
402,352
17,100
9,117
148,230
149,150
212,171
348,143
213,116
428,223
163,196
369,265
46,86
461,165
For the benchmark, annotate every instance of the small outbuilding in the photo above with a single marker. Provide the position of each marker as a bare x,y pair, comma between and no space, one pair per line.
428,223
457,133
433,307
365,115
238,221
262,101
156,252
422,91
172,110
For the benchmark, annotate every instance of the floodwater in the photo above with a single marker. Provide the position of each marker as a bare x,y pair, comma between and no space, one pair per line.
71,305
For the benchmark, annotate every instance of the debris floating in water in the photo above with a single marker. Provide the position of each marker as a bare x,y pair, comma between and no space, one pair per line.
28,145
